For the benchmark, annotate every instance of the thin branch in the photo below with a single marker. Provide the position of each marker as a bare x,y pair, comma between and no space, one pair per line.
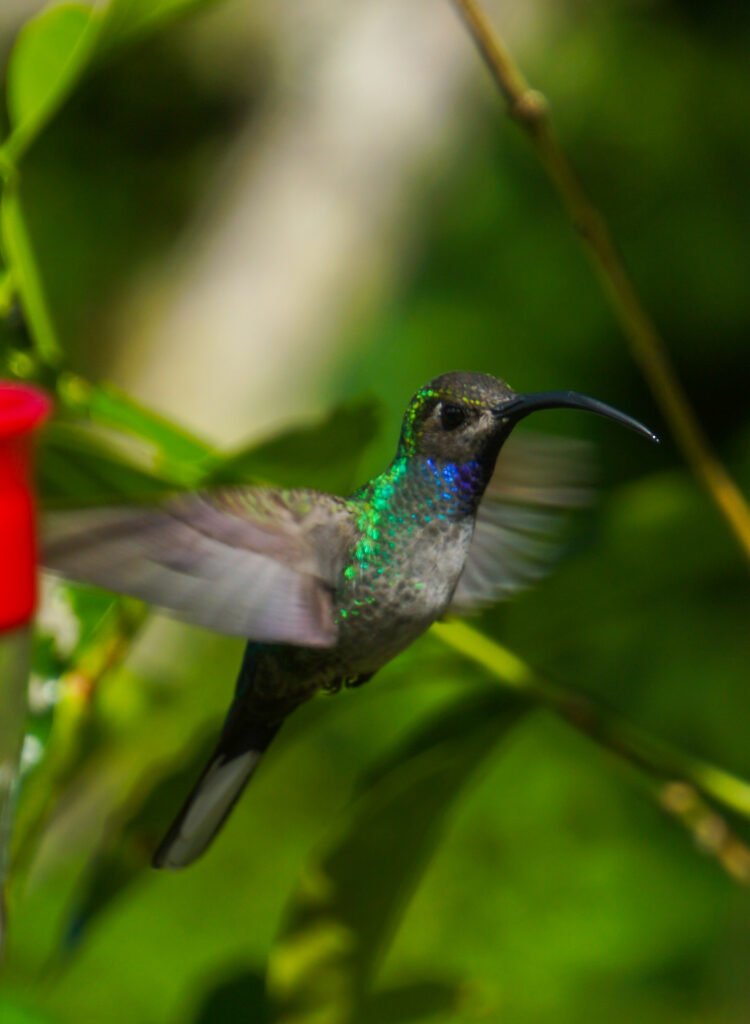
530,110
709,829
678,781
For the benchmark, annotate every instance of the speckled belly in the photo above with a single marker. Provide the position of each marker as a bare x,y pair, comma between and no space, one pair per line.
382,612
379,614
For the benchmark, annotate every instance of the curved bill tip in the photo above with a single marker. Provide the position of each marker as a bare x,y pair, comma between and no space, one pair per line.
522,405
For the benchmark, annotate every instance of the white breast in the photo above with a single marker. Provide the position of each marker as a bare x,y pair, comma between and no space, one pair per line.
398,606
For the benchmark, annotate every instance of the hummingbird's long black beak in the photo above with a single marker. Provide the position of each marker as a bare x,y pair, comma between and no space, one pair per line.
519,406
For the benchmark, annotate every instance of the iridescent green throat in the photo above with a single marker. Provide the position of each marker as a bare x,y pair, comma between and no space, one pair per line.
412,493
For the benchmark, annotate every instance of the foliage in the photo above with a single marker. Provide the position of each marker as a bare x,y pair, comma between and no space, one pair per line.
494,864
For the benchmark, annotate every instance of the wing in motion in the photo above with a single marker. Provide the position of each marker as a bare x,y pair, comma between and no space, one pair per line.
255,563
536,480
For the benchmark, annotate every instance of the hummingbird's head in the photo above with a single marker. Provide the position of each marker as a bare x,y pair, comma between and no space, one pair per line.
465,417
453,417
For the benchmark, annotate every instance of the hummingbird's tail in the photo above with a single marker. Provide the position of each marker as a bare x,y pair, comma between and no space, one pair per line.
218,789
252,722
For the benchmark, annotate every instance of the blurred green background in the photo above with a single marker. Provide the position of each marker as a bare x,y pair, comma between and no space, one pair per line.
236,238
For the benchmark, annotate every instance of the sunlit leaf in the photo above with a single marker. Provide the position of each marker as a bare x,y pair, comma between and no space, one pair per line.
324,455
179,451
78,468
107,447
117,449
50,53
55,49
126,19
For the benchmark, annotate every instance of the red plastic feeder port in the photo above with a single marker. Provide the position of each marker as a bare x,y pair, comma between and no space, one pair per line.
22,410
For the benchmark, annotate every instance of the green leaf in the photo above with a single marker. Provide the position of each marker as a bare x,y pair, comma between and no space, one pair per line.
78,467
181,454
49,56
55,49
12,1012
112,447
106,446
126,19
325,455
351,899
178,455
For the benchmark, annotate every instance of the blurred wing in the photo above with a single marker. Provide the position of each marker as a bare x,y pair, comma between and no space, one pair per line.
253,563
520,518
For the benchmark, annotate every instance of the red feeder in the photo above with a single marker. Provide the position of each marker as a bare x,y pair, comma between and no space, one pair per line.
22,410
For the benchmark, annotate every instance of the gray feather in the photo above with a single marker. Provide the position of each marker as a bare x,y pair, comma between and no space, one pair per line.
537,480
209,805
254,563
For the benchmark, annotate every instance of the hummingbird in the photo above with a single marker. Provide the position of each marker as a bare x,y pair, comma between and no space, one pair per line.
328,589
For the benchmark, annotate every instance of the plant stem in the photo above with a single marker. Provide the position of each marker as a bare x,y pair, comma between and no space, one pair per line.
530,109
660,759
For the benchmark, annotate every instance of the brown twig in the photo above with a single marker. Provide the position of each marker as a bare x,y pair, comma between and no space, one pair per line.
530,110
709,829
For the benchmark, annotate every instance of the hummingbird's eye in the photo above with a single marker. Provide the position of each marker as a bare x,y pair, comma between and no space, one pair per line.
451,416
